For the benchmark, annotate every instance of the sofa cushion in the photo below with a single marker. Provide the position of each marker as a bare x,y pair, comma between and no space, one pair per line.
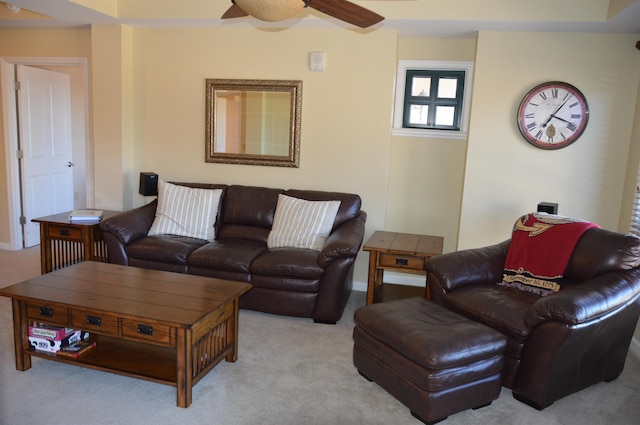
302,224
186,211
294,262
502,308
172,249
233,255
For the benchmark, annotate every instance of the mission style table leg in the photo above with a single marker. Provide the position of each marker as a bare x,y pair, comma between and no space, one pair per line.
20,332
184,367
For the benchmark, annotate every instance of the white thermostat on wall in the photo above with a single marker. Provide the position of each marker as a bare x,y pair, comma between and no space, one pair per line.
316,61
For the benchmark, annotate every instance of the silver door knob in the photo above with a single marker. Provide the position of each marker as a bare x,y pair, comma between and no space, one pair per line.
69,164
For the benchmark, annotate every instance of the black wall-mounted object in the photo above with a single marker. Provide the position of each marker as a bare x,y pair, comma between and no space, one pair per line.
148,184
548,207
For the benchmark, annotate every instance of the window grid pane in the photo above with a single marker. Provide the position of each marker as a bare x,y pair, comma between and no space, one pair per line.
447,88
421,86
445,115
419,114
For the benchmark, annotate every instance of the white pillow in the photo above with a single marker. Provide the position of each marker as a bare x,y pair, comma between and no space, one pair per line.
301,224
186,211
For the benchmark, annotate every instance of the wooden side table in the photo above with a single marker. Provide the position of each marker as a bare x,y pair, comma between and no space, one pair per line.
399,252
63,243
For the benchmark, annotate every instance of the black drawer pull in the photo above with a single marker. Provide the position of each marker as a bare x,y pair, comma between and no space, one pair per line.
94,320
46,312
145,330
64,232
402,261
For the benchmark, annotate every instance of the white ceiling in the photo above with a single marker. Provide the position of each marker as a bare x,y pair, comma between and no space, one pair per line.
437,18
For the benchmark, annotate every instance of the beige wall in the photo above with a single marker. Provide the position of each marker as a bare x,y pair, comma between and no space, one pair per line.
34,43
505,176
112,76
425,174
148,115
346,110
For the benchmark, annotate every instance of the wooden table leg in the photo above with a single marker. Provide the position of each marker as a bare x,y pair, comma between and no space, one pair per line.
234,326
371,287
20,335
377,283
184,380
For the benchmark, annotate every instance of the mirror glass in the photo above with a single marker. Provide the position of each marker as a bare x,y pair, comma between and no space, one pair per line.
253,122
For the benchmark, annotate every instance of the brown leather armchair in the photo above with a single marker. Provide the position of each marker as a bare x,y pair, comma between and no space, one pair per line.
560,343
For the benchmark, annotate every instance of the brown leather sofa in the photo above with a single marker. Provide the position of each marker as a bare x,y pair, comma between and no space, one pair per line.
560,343
286,281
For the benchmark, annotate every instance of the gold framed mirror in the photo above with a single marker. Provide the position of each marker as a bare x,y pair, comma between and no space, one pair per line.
253,122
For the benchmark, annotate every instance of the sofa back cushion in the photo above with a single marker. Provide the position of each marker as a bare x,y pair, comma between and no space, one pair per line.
299,223
350,204
186,211
601,251
247,212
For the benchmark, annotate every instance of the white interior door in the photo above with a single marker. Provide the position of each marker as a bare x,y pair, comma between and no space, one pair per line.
44,105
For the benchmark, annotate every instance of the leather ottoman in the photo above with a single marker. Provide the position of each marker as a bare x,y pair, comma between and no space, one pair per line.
436,362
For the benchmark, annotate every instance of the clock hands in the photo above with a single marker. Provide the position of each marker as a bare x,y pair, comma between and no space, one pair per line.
560,119
553,115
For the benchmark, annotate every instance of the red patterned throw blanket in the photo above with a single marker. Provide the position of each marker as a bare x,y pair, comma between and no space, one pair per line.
540,250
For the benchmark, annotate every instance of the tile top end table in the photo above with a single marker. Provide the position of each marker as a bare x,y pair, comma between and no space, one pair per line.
399,252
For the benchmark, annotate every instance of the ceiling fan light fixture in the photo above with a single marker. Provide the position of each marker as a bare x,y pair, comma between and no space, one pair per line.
271,10
13,8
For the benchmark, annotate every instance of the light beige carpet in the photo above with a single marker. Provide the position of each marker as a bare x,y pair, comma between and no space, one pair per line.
289,371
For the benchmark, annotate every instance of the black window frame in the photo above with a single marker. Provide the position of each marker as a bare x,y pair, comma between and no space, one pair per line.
432,100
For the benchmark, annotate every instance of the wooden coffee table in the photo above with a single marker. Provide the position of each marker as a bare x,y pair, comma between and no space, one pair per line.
164,327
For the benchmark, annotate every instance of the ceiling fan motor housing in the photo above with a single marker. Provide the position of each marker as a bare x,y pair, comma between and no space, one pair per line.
271,10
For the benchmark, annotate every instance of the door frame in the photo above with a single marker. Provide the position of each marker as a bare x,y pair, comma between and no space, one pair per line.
9,107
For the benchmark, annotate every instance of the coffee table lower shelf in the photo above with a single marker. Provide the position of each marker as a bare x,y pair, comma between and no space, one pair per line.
134,359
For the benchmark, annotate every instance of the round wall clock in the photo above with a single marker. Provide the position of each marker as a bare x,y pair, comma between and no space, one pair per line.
553,115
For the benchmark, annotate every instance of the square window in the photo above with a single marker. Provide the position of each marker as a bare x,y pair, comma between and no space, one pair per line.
432,99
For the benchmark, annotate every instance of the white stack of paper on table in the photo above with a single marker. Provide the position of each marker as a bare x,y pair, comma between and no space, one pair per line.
85,215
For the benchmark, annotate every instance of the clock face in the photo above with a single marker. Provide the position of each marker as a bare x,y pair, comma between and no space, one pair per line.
553,115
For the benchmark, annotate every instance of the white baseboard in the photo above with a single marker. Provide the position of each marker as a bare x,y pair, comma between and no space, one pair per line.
6,246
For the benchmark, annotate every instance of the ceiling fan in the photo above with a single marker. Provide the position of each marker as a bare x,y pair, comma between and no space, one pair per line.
278,10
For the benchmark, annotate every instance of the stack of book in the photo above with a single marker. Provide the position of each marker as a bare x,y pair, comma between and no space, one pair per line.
59,340
88,216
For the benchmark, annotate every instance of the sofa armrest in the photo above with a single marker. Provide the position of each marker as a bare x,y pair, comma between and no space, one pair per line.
131,225
579,303
447,272
345,241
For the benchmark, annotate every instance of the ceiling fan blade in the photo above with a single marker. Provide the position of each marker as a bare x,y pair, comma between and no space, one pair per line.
234,12
347,11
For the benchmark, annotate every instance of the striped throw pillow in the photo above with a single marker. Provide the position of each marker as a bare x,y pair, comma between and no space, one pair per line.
186,211
299,223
